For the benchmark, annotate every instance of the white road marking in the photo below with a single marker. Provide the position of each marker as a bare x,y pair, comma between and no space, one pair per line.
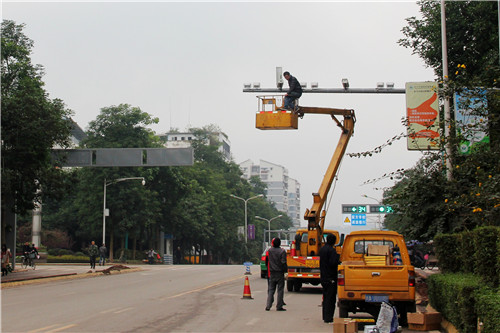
110,310
252,321
42,328
123,310
61,328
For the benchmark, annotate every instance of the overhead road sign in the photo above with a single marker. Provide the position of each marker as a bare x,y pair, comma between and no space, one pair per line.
381,209
123,157
353,209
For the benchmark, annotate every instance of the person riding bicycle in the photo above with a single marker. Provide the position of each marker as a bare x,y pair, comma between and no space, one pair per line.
33,251
26,249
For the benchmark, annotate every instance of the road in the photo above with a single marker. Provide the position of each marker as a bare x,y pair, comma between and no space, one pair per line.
184,298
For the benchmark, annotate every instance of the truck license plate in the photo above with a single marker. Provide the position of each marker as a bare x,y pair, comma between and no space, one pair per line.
376,298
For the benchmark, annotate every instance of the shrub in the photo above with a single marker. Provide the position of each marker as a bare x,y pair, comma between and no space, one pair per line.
53,252
67,259
63,252
488,309
446,244
486,254
466,250
454,296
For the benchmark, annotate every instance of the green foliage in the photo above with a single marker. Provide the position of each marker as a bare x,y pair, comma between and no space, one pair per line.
427,203
473,252
31,124
488,308
68,258
192,203
444,245
472,36
454,295
486,254
466,250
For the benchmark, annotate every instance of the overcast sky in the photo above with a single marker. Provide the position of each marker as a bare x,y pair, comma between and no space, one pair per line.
186,64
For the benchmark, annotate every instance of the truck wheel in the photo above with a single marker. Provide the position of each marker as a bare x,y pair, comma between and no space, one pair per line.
297,285
343,311
289,285
403,314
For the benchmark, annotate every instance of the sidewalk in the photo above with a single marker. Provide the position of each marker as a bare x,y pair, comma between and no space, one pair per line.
44,271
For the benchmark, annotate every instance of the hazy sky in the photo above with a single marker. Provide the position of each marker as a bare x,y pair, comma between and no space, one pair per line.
186,63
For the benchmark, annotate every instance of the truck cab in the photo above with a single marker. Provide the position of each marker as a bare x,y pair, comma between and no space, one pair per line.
303,266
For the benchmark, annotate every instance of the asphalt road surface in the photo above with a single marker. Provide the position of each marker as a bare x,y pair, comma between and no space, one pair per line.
180,298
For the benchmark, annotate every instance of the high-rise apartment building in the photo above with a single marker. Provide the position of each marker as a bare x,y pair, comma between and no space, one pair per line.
282,190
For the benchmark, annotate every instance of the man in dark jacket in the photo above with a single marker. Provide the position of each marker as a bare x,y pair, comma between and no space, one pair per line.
277,268
93,253
294,91
328,265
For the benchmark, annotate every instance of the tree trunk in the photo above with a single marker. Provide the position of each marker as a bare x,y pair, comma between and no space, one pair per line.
111,242
134,247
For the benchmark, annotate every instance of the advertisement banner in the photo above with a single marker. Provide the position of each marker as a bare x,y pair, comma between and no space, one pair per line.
251,231
471,119
422,112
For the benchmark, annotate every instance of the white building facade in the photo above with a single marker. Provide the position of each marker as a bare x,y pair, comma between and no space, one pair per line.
182,140
282,190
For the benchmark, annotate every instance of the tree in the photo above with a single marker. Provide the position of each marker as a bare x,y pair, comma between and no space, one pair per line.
31,123
134,209
472,37
427,203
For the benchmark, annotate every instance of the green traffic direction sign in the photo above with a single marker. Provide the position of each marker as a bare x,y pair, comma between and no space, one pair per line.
381,209
357,209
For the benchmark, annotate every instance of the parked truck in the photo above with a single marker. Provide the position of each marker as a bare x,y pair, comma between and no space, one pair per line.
375,268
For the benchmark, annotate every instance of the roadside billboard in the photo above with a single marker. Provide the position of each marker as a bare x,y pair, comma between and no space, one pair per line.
471,119
422,112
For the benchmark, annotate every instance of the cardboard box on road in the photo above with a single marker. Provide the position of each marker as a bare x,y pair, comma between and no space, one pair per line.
344,325
424,321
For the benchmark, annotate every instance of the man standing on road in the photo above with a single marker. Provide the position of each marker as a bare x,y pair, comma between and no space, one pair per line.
328,265
103,251
93,252
294,91
277,269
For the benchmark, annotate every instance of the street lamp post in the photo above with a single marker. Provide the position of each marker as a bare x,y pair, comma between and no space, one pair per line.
104,204
246,201
268,224
379,221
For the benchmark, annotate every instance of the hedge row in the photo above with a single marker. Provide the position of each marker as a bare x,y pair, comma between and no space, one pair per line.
462,298
67,259
476,251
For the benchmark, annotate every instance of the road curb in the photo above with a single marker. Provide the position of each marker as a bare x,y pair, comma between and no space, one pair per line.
68,276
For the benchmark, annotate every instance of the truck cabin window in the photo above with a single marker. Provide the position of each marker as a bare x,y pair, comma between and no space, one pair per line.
361,246
304,237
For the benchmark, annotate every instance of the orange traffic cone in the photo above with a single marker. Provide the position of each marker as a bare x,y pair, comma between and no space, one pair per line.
293,251
247,294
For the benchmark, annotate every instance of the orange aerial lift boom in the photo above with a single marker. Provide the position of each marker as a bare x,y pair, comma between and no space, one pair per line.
304,265
277,118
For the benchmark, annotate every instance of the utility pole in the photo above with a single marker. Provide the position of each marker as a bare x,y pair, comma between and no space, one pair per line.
447,113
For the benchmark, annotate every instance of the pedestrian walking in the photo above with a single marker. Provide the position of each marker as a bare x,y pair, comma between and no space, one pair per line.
103,251
277,268
328,265
6,255
93,253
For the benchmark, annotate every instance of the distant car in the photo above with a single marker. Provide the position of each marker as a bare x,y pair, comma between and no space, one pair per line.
263,267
